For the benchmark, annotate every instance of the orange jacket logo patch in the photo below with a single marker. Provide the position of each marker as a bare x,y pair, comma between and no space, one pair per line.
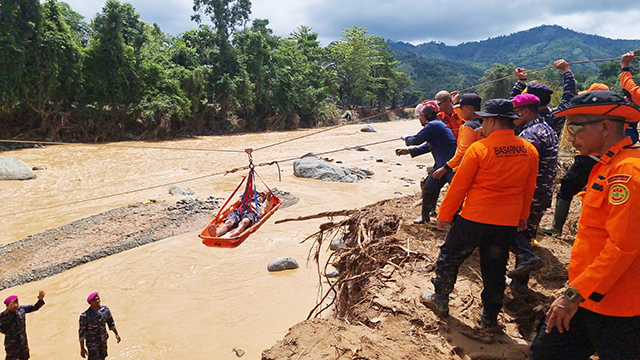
618,194
619,178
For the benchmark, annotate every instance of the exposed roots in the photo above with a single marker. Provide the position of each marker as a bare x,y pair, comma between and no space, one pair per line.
369,246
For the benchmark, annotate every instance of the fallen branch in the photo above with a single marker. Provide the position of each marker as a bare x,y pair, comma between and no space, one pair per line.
319,215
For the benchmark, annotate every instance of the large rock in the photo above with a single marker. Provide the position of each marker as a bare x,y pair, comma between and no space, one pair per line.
314,168
368,128
282,263
177,190
12,169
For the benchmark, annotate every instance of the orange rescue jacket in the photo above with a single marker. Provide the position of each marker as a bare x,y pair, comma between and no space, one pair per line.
604,265
453,121
468,135
496,180
628,84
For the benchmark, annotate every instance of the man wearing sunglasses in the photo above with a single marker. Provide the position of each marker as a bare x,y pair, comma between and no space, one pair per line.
496,181
599,311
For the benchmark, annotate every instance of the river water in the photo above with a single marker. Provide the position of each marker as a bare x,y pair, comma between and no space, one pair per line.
176,298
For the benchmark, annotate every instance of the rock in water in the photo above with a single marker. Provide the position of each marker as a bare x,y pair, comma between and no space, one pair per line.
177,190
12,169
239,352
314,168
282,263
368,128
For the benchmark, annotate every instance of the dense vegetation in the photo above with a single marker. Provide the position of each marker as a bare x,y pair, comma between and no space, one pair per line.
435,66
120,78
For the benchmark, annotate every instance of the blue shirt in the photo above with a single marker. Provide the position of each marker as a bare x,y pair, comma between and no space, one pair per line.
435,137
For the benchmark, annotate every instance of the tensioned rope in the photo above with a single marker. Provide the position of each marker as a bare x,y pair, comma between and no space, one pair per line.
534,70
412,105
261,148
276,162
316,132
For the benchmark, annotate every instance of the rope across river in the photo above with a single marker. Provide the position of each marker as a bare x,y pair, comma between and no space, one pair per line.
272,162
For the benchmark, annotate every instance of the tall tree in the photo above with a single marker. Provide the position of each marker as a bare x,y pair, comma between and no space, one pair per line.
353,55
499,89
81,29
225,15
60,60
20,23
110,66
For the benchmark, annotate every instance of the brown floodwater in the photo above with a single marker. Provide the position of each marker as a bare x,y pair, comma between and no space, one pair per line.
176,298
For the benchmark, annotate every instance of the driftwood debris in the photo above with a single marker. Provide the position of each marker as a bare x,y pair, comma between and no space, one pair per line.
319,215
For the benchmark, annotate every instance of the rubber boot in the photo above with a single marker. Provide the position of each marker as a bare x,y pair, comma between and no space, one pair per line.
559,217
439,303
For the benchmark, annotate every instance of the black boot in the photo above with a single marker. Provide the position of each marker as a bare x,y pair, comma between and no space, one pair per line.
559,217
439,303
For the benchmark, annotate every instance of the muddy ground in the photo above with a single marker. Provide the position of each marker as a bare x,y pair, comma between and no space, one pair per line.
376,312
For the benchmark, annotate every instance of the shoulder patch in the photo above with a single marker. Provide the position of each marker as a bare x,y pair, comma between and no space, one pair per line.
618,178
618,194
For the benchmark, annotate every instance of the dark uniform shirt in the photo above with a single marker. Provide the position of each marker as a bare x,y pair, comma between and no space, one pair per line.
93,329
545,140
13,326
435,137
569,91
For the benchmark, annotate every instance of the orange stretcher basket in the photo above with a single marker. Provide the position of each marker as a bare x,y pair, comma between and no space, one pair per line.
272,203
208,234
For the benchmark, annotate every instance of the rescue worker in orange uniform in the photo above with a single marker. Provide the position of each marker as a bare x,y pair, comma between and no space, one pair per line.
448,113
632,91
599,311
496,181
470,132
627,80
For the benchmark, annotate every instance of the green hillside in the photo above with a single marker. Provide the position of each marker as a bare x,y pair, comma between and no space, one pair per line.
459,66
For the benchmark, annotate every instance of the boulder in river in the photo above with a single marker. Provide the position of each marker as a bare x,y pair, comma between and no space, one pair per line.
177,190
315,168
12,169
368,128
282,263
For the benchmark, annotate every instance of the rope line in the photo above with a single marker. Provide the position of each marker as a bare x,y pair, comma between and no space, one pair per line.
261,148
534,70
231,171
351,122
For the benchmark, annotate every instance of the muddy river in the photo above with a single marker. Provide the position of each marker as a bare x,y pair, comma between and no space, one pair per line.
176,298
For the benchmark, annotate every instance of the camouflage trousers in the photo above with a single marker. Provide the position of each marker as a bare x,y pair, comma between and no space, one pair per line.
461,241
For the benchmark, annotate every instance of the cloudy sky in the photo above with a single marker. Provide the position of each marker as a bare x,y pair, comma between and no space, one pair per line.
451,22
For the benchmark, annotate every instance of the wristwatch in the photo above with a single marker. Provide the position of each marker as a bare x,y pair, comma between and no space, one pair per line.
572,294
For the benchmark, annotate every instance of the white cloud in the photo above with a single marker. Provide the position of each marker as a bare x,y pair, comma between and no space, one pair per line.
407,20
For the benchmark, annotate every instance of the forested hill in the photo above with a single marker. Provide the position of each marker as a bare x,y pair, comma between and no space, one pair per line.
533,48
435,65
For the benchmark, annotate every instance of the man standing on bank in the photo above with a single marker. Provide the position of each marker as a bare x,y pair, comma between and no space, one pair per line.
496,181
93,329
536,131
437,138
14,326
599,311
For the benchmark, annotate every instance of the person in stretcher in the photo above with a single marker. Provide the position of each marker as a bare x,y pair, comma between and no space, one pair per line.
243,217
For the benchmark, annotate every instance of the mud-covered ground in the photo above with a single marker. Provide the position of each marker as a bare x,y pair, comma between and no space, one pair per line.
376,311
